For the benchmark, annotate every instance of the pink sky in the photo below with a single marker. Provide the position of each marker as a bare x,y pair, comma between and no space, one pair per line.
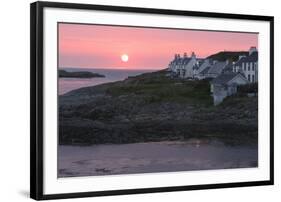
97,46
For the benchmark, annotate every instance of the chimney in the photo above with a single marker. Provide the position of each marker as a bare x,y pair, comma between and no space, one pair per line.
193,55
252,50
185,55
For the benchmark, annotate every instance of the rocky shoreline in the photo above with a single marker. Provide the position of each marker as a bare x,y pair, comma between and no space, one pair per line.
153,107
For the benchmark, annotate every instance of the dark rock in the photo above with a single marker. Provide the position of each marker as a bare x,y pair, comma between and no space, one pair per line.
147,108
78,74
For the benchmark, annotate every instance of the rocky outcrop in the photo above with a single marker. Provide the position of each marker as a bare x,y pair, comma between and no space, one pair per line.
78,74
153,107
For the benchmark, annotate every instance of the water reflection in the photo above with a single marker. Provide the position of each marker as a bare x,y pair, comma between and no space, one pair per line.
153,157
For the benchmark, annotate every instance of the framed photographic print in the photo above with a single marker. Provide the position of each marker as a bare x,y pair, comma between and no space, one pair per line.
131,100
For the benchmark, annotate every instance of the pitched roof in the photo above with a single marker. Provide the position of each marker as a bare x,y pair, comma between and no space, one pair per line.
217,68
251,58
179,61
224,78
186,60
203,65
196,66
239,62
205,71
228,68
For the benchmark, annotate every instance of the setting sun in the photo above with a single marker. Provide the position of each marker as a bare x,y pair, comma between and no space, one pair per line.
124,58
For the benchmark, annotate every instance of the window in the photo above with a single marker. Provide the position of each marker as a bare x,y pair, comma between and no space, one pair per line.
253,78
253,67
248,66
249,77
243,66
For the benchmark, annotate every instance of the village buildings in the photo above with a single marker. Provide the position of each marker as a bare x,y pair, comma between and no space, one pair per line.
225,76
225,85
248,65
183,66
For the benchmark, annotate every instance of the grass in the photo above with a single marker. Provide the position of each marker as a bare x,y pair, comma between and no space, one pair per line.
160,88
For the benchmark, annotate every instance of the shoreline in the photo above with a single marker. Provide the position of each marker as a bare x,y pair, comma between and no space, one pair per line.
189,141
110,76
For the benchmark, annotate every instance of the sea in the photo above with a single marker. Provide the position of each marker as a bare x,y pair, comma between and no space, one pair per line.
68,84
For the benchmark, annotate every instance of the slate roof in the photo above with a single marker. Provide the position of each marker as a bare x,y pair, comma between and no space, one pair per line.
217,68
239,62
251,58
205,71
203,65
228,68
180,61
196,67
186,60
224,78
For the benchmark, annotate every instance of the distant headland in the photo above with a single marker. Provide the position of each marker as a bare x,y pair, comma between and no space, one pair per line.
78,74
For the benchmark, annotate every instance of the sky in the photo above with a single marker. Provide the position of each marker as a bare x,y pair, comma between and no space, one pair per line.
99,46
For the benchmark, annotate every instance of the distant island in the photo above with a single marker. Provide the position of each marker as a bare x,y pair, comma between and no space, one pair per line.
78,74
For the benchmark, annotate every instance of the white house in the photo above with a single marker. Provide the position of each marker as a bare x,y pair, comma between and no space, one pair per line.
183,66
248,65
225,85
192,67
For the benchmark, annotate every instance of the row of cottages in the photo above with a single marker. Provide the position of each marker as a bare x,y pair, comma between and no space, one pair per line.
246,65
226,75
192,67
183,66
212,69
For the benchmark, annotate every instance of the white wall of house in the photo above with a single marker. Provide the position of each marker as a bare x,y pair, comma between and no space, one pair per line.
250,71
221,91
189,68
184,70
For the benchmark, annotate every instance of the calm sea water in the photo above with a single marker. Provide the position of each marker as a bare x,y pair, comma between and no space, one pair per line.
152,157
111,75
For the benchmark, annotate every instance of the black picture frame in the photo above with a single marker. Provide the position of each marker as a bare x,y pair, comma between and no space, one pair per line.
36,99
